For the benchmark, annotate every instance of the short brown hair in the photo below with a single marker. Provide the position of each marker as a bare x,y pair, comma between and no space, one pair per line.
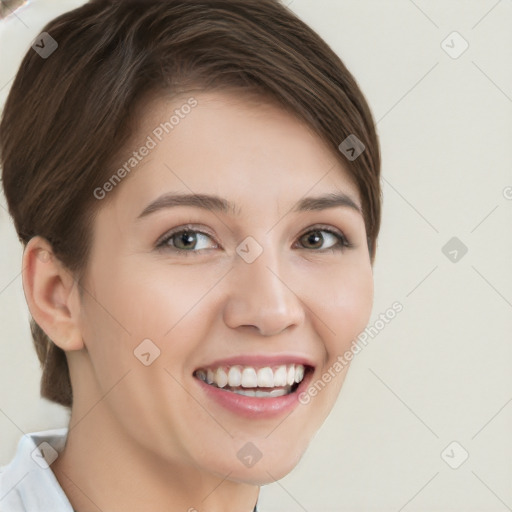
66,114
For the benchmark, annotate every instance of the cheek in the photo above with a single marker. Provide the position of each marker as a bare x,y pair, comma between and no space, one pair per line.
144,301
341,303
353,301
167,306
342,307
163,304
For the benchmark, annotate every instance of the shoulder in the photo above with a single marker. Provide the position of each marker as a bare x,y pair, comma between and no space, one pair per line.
27,482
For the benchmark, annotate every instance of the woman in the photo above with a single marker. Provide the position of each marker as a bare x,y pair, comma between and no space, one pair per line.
196,184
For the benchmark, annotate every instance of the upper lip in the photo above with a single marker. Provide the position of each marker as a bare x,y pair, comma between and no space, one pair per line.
260,360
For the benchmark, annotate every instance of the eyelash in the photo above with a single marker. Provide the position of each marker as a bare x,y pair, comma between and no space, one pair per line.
341,244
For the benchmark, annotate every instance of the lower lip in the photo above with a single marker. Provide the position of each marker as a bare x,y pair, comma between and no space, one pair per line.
251,406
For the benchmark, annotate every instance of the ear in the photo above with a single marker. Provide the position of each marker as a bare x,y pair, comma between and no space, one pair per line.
52,294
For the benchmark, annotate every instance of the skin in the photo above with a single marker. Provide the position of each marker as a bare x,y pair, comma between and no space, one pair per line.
147,437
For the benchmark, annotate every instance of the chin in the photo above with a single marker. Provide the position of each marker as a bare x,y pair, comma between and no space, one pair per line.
263,475
269,468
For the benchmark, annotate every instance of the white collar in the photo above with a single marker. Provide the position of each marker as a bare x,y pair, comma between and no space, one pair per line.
27,482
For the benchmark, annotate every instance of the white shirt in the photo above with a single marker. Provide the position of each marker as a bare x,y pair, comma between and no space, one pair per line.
27,483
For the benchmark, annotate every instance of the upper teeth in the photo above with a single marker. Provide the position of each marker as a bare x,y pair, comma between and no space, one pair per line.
250,377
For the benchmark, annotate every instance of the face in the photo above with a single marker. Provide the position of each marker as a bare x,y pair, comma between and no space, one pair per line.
220,317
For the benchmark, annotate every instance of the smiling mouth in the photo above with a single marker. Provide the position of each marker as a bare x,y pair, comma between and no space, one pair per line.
260,382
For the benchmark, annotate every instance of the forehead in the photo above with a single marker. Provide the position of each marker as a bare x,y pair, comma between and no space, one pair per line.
237,146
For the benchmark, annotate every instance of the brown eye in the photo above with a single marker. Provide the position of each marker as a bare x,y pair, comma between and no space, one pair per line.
315,239
186,241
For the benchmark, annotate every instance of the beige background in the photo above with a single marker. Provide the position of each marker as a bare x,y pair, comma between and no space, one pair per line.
440,371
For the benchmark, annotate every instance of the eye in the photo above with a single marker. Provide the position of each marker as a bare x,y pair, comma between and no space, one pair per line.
186,240
315,238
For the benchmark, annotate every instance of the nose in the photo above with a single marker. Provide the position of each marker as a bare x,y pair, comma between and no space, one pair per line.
261,298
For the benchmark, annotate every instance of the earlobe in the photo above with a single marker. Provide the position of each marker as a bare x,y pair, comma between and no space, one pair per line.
52,294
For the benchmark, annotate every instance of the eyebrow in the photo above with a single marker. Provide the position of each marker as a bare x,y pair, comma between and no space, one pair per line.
218,204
